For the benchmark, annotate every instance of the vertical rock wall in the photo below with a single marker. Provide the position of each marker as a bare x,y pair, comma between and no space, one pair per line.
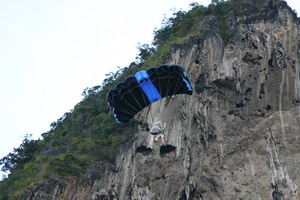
236,137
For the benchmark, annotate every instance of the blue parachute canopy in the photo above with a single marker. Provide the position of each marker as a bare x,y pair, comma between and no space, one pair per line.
145,87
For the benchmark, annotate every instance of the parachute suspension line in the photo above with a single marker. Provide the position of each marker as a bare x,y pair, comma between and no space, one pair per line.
136,101
179,84
160,89
129,104
122,109
160,85
149,111
142,94
151,116
126,118
149,107
176,88
168,85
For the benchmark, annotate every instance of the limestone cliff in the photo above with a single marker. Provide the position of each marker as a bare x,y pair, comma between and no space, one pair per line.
236,137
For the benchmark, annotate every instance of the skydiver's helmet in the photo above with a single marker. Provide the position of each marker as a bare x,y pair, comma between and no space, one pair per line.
155,127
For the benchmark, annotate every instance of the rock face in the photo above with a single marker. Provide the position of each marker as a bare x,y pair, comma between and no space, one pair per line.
236,137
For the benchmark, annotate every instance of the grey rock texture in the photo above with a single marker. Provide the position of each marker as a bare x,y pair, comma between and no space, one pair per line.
237,137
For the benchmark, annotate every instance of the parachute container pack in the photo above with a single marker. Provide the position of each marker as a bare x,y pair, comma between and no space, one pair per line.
145,87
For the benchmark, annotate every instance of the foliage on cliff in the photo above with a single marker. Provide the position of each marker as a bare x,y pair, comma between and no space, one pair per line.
85,135
198,22
88,133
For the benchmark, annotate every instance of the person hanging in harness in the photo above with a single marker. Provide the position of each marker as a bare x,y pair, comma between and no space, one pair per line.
158,132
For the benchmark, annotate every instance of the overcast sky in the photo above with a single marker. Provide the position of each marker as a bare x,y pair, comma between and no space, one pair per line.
51,50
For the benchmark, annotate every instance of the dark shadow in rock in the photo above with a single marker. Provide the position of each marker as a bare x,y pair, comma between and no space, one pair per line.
200,84
144,126
192,194
248,91
225,83
277,195
262,91
167,149
143,150
268,107
240,105
252,59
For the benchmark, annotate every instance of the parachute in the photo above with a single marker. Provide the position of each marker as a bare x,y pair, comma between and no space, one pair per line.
145,87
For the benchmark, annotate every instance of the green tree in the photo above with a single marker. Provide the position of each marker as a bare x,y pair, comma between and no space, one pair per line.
145,51
21,155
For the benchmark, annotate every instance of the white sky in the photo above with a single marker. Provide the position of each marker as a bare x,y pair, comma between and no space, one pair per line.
51,50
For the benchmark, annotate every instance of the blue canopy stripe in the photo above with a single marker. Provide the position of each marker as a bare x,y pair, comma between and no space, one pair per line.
147,86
